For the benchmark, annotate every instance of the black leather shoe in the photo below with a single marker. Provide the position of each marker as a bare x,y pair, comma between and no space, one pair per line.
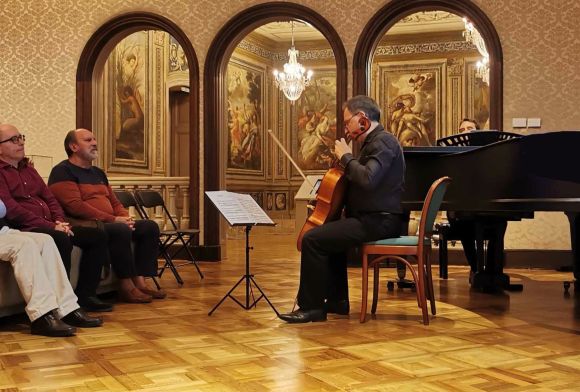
94,304
79,318
304,316
49,325
338,307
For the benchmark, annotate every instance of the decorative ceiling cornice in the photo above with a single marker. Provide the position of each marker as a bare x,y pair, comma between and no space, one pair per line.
254,48
421,17
387,50
427,47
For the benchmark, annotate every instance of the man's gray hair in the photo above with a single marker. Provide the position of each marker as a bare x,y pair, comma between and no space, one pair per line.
367,105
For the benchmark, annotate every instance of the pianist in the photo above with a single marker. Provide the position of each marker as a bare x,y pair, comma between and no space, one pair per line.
468,125
462,226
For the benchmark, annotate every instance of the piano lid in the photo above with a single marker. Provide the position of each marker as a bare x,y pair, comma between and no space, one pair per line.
542,167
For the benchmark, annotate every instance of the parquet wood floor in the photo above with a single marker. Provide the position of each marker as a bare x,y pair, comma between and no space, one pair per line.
525,341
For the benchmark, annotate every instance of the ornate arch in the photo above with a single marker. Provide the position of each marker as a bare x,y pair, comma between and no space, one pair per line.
105,39
391,13
214,76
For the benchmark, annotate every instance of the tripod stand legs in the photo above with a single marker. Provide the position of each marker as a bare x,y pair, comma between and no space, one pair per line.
249,281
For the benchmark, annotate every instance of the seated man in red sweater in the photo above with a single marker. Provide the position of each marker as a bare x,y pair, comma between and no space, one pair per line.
32,207
84,192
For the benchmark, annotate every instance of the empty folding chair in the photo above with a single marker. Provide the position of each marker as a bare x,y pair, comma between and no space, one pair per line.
180,237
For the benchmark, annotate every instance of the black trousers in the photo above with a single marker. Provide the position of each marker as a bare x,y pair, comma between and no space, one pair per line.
143,260
464,230
323,272
93,242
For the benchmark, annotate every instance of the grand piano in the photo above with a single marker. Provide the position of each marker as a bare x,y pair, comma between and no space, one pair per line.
508,179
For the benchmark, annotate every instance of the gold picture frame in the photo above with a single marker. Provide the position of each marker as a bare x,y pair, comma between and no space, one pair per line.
410,95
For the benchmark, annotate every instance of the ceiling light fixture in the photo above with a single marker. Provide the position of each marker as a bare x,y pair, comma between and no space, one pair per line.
472,35
294,79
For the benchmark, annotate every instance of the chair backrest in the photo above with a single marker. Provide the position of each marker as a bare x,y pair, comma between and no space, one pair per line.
431,206
126,198
150,199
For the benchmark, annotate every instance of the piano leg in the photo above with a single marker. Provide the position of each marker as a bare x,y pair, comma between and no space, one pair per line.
443,252
490,261
574,219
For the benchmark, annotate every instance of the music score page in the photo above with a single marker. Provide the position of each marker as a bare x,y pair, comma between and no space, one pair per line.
239,209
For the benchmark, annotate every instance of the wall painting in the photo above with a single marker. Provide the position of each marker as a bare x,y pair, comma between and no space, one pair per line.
314,121
245,115
410,97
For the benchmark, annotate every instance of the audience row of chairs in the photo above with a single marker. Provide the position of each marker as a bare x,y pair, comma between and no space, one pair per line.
171,242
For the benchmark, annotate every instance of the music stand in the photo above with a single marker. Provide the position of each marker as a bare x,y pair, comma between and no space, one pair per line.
242,210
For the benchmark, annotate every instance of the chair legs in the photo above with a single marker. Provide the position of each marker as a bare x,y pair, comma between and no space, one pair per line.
164,250
375,288
423,282
169,264
191,258
429,283
420,283
365,288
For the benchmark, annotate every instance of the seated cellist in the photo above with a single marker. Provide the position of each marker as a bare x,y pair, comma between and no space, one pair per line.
372,210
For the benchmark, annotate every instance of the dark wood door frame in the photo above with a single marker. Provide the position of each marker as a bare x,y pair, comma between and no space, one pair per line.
102,42
216,62
391,13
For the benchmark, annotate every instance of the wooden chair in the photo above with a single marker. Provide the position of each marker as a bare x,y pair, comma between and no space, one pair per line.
397,248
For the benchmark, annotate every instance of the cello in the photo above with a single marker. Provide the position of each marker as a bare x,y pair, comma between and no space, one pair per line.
329,201
330,195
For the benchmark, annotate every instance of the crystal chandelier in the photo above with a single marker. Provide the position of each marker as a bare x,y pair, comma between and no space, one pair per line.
294,78
472,35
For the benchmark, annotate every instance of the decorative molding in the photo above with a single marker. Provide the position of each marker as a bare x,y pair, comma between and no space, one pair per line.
281,157
318,54
159,37
427,47
256,49
455,105
455,66
129,181
159,104
421,17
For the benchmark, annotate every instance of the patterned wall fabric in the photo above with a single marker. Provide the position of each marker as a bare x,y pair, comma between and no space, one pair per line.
41,41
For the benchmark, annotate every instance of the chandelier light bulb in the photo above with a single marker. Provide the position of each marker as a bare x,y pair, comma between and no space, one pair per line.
295,78
473,36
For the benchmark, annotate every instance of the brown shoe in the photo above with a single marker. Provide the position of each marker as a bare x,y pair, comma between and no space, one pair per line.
156,294
135,296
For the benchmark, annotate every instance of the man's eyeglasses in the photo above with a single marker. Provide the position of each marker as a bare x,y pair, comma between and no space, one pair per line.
347,121
15,139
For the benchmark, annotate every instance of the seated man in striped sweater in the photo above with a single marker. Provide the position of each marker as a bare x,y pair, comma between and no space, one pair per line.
84,193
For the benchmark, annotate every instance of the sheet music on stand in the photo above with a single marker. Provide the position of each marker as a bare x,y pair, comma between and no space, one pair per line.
239,209
242,210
